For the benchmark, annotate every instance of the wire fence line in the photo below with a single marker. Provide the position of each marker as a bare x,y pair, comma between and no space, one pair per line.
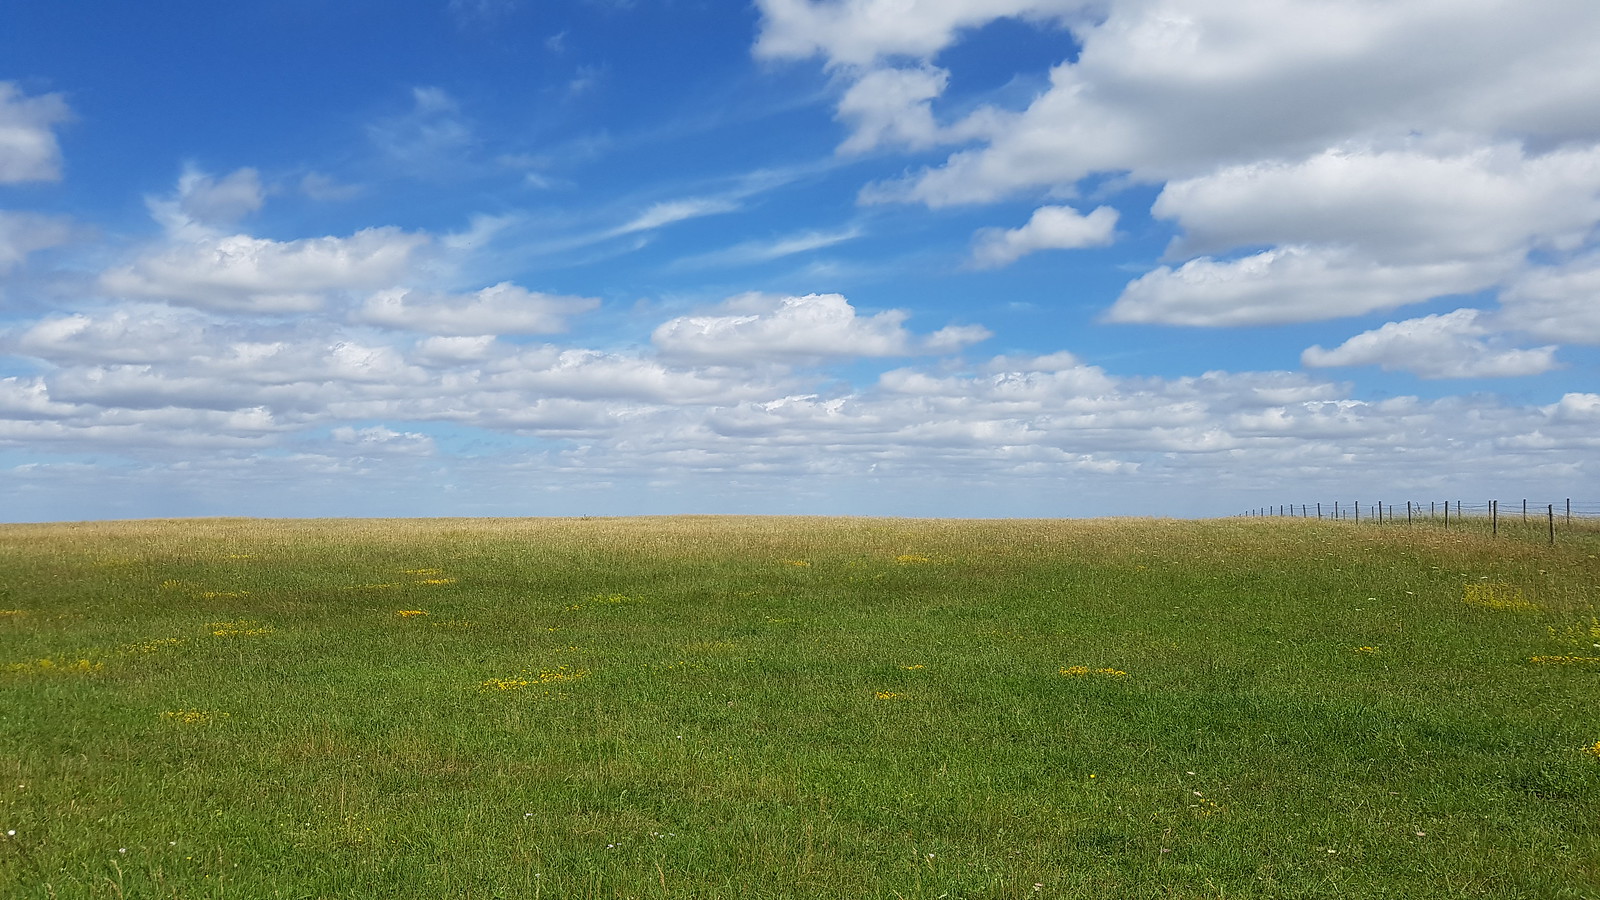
1544,514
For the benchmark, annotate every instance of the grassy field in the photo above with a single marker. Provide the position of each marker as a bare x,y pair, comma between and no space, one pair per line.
808,708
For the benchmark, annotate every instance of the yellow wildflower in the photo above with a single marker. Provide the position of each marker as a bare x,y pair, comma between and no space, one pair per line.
52,666
885,695
239,627
409,613
1083,671
1565,660
1491,595
913,668
557,675
1372,650
152,646
1593,749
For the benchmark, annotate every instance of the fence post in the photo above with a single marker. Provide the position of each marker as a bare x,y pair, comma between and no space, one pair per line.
1524,511
1447,514
1319,507
1494,518
1552,512
1408,512
1569,512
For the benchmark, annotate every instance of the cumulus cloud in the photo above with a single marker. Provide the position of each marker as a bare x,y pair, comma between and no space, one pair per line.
28,148
1283,133
1404,204
503,308
232,386
892,107
137,333
1049,228
249,274
455,350
755,328
1556,303
1292,284
1451,345
1169,90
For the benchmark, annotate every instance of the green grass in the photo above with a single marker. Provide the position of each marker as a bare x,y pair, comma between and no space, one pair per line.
780,707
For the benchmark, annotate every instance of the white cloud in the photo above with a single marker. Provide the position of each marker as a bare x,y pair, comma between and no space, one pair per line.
249,274
757,328
1007,426
430,138
1292,284
1320,160
750,252
136,333
892,107
28,148
1049,228
1451,345
22,233
1167,89
593,375
380,439
672,211
1359,230
1556,303
503,308
1402,205
863,32
455,350
212,201
28,399
323,187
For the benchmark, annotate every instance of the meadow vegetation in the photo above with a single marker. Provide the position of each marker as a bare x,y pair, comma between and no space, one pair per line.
795,707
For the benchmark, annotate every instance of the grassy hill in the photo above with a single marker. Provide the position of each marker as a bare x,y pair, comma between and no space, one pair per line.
797,707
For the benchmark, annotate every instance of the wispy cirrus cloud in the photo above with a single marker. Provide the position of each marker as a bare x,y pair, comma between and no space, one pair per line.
761,251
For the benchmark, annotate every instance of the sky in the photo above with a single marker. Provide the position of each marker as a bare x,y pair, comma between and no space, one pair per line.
847,257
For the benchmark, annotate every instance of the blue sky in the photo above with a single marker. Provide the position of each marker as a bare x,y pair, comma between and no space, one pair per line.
903,257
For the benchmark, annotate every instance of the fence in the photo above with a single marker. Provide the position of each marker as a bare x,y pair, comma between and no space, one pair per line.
1443,512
